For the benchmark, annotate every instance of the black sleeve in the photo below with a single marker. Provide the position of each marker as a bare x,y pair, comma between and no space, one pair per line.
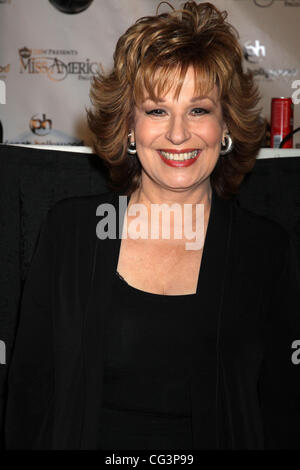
30,403
279,384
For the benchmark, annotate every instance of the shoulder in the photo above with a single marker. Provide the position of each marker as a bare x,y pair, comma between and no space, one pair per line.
266,241
80,204
74,215
259,228
77,208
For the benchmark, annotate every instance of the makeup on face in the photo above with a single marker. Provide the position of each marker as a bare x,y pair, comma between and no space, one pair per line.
178,139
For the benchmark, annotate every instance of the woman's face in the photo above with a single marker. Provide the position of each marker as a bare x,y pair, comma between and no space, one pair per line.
178,141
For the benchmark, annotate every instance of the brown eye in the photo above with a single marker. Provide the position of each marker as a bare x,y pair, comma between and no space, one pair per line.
156,112
199,111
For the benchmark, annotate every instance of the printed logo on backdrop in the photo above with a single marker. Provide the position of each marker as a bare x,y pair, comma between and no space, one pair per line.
41,132
71,7
263,73
254,51
4,70
40,125
56,64
269,3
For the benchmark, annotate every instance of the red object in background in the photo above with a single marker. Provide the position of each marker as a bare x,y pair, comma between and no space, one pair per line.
282,120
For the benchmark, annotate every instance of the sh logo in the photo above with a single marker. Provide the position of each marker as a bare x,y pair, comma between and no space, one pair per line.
39,125
254,53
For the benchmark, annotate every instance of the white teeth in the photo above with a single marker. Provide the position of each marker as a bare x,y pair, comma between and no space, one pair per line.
180,156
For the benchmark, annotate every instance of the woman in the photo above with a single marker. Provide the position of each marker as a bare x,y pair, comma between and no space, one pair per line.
143,343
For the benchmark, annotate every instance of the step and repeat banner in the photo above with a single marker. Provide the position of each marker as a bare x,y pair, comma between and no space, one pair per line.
50,49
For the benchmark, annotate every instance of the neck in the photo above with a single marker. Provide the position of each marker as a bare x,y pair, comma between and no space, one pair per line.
201,194
198,196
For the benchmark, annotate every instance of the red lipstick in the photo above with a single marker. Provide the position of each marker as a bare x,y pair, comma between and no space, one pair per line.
179,163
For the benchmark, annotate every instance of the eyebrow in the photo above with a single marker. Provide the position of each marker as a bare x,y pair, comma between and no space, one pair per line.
199,98
196,98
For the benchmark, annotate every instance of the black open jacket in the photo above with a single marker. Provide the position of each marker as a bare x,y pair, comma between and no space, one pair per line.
248,367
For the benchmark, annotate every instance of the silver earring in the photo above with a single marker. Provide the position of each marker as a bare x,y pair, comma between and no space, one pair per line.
228,146
131,148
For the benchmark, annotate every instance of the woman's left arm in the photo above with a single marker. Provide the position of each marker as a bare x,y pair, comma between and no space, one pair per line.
279,383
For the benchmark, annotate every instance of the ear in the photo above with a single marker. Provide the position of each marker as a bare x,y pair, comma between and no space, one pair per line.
131,136
225,131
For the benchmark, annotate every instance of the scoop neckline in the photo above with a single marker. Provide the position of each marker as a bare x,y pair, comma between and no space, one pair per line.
133,290
203,268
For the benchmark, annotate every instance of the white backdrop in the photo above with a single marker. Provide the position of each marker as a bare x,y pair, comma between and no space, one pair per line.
48,57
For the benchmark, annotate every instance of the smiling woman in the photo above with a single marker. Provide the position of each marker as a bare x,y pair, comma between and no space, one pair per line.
152,60
140,342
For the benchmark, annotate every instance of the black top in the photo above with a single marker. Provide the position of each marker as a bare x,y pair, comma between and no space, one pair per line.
245,389
149,351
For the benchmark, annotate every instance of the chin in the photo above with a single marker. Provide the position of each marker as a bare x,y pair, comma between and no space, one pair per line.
181,186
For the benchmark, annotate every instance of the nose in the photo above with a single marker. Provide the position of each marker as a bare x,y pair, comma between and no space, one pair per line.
177,131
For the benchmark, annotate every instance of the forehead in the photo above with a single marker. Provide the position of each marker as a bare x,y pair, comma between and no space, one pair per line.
176,84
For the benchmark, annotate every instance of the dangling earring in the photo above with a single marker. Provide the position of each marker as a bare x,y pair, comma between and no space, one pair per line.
131,148
228,146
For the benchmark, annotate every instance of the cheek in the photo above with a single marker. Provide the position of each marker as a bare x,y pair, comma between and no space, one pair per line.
210,131
146,131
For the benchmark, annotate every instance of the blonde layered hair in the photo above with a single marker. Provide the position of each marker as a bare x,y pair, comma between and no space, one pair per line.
146,58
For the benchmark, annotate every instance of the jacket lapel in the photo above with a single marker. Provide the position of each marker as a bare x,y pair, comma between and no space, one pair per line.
104,265
211,288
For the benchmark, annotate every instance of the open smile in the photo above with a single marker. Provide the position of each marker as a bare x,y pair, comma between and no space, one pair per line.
179,158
